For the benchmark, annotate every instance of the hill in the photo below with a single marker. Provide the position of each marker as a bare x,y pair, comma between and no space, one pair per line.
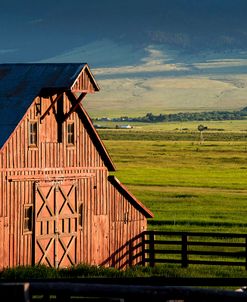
147,56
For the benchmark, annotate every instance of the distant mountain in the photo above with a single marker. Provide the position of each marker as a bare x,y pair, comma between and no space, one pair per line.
37,30
148,56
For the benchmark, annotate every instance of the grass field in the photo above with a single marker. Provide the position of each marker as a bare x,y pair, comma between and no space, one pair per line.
228,126
85,271
187,184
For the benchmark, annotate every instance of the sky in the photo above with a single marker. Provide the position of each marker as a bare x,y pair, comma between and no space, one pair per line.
38,30
177,53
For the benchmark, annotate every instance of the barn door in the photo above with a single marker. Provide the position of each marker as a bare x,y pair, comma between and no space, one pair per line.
56,224
100,242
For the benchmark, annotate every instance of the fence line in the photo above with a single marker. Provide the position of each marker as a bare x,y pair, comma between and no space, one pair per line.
194,248
57,290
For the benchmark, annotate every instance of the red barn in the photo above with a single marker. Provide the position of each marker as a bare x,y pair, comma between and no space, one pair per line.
58,204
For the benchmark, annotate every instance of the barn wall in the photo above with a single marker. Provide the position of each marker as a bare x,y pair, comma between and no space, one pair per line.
106,228
17,154
126,223
19,161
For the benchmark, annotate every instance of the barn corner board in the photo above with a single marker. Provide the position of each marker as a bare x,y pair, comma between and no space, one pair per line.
58,204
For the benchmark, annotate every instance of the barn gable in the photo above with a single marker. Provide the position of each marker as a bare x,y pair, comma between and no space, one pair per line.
20,84
33,84
85,81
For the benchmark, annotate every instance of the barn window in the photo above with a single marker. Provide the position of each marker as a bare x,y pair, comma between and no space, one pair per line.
80,215
71,133
126,217
28,218
33,133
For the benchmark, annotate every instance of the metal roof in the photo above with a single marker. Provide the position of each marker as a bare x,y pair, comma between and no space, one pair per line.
21,83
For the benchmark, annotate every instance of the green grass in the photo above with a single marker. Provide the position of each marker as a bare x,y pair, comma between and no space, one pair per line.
232,126
85,271
187,185
175,135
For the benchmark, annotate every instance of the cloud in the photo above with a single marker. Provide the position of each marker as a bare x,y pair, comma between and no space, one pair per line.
7,51
155,60
222,63
36,21
140,69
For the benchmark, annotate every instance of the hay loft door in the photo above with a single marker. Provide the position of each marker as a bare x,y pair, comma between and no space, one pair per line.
56,224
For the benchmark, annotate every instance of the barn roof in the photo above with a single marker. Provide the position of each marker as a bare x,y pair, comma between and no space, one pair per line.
130,197
21,83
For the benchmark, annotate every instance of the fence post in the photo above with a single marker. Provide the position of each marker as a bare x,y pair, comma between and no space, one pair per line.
184,250
245,252
143,238
151,249
130,253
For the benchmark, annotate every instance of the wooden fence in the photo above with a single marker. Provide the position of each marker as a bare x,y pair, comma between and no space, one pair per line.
121,290
187,248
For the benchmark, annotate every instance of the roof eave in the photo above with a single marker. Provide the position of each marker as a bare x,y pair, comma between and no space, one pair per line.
95,84
115,182
97,88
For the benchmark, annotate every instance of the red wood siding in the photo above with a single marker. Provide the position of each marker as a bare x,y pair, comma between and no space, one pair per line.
104,227
84,82
126,223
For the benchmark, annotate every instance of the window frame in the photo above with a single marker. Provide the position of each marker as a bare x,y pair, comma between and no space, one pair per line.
33,134
70,133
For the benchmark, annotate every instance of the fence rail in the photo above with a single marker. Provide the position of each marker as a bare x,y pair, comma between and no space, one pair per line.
194,248
121,291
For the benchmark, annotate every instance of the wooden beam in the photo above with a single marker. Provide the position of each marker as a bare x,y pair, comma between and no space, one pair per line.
74,101
50,107
61,169
50,177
